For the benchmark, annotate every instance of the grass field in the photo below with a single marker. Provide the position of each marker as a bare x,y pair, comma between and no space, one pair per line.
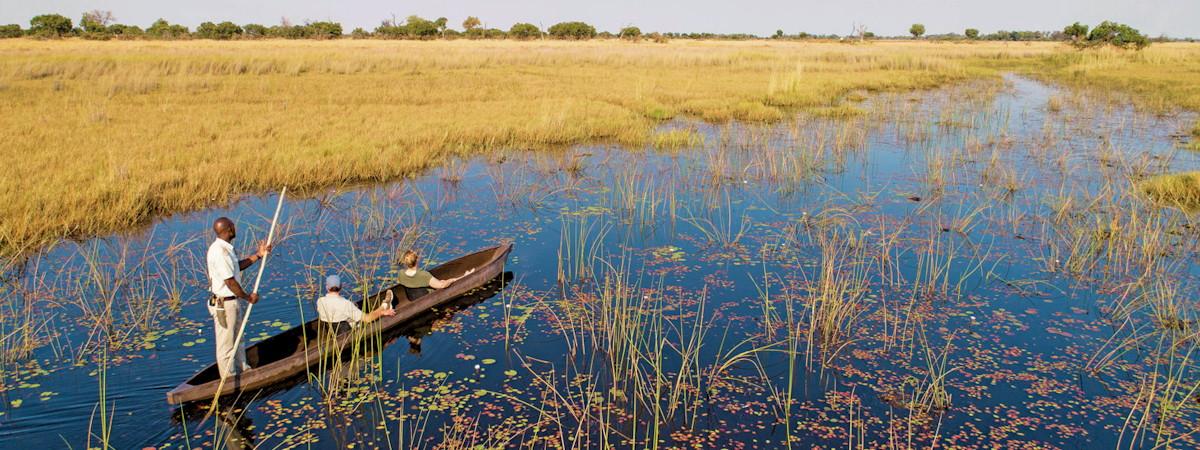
104,135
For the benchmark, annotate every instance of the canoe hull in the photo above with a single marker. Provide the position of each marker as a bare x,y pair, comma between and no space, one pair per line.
488,265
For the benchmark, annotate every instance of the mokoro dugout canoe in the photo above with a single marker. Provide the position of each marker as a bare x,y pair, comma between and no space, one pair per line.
284,355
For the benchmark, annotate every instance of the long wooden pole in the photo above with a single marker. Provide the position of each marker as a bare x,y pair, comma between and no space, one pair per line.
237,340
261,267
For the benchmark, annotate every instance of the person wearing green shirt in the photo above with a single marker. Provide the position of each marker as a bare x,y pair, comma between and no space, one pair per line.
418,282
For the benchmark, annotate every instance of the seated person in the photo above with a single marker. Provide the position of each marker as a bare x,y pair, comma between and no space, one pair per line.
341,314
417,282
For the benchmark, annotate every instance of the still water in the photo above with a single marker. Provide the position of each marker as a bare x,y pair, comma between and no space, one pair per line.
939,270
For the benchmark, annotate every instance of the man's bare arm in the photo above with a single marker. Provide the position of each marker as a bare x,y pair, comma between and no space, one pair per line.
238,292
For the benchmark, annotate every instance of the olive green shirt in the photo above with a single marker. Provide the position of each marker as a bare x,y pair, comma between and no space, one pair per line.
419,279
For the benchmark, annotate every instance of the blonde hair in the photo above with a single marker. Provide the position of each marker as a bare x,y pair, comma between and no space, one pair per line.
409,259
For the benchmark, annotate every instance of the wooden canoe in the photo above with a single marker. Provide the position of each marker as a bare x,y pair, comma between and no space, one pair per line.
288,354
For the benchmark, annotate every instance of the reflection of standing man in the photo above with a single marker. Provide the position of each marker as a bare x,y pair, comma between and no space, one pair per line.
229,301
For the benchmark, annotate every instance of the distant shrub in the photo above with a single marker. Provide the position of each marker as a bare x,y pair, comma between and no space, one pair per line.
254,31
161,29
359,33
324,30
572,30
96,36
1003,35
126,31
50,26
223,31
916,30
414,28
1076,32
421,28
971,33
657,37
94,22
471,23
631,33
10,31
484,33
1117,35
524,31
288,31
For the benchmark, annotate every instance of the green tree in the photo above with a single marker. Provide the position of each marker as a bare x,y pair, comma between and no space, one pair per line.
471,23
96,21
778,34
324,30
50,26
631,33
1077,32
11,30
917,30
441,23
524,31
125,31
971,33
420,28
254,31
223,31
161,29
1117,35
572,30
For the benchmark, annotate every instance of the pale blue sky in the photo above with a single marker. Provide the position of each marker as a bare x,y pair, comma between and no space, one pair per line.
1179,18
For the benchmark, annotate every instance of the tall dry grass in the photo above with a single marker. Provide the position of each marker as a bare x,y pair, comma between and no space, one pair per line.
104,135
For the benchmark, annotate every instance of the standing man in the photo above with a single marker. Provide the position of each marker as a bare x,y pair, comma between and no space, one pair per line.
228,302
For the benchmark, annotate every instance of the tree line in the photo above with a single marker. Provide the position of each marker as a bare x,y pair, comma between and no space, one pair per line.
1079,35
102,25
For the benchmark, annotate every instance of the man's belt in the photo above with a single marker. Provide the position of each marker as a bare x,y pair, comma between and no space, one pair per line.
213,300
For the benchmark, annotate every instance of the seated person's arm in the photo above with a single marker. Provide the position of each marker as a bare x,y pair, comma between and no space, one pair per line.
442,284
439,284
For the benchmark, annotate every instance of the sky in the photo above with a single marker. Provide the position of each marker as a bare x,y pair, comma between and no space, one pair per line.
1176,18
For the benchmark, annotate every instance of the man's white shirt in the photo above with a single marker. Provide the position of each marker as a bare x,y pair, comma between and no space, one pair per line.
334,308
222,265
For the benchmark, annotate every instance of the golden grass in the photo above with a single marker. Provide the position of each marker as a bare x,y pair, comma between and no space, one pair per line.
102,135
1161,78
675,139
1181,190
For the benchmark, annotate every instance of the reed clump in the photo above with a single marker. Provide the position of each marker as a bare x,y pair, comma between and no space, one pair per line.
1181,190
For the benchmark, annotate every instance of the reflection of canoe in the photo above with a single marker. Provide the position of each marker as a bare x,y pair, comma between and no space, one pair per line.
289,353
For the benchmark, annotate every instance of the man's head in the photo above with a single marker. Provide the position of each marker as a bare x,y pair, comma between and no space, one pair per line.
225,229
333,283
409,259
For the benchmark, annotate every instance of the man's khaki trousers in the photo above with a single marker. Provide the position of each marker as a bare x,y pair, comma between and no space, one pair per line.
227,318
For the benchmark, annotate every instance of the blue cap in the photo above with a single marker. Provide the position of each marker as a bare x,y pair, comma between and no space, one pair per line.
332,281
